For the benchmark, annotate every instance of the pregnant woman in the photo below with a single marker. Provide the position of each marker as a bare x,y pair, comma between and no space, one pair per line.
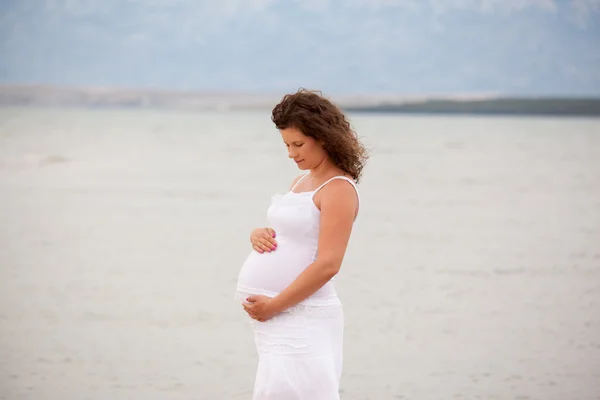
286,283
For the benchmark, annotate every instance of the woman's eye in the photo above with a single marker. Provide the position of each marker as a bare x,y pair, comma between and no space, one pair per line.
300,145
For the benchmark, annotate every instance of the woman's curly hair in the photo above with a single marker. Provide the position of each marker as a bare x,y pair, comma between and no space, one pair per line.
315,116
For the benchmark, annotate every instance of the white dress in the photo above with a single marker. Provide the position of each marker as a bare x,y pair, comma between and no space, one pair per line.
300,349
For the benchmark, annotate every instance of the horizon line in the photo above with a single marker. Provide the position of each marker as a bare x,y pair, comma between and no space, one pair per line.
458,96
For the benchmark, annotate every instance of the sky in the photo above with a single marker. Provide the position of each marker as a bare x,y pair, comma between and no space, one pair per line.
406,47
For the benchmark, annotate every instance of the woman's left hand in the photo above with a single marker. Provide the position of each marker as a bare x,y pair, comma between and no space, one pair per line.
259,307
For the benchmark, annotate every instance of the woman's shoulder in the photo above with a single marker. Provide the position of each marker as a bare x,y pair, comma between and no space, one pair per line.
340,184
340,190
296,180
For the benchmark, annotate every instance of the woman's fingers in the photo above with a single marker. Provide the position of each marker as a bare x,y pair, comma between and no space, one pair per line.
263,245
249,311
271,241
267,244
264,241
270,235
261,248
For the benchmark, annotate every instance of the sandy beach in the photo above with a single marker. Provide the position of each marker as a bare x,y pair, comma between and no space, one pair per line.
473,271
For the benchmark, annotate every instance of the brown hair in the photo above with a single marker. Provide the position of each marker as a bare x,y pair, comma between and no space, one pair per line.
317,117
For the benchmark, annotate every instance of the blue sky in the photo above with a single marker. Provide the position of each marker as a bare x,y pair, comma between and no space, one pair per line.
409,47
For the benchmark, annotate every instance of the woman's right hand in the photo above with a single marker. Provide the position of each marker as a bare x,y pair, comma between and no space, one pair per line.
263,239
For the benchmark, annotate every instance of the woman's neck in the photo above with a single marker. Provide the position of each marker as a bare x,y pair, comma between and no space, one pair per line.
324,169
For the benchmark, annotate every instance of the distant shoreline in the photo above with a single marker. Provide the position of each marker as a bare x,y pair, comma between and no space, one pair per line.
498,106
103,98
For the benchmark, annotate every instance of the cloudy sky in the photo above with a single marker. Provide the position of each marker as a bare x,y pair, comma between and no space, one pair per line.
511,47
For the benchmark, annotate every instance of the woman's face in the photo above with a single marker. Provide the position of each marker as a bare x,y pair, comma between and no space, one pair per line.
306,151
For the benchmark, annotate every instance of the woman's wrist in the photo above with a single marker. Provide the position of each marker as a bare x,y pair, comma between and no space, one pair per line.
277,304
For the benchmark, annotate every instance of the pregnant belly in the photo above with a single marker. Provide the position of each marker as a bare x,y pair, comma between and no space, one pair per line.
274,271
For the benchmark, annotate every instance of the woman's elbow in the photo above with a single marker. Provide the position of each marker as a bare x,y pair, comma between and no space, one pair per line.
331,267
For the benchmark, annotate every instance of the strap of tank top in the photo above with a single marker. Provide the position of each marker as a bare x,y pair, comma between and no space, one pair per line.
344,178
299,180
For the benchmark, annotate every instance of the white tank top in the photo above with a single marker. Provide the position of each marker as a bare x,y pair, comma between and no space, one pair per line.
296,221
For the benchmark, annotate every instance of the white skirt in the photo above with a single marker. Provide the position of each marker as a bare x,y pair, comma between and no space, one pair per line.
300,354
